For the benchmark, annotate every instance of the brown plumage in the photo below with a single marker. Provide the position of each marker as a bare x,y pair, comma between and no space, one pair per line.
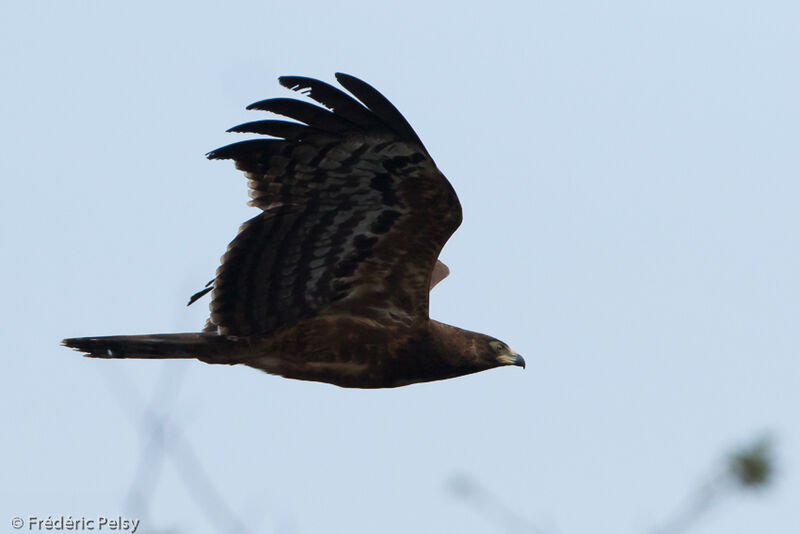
330,281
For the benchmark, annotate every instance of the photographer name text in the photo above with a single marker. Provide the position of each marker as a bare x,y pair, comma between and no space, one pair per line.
67,522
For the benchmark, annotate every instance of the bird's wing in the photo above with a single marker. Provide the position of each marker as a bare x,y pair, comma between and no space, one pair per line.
440,272
354,213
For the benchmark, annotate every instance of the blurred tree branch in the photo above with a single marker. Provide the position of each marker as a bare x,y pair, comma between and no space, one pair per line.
749,468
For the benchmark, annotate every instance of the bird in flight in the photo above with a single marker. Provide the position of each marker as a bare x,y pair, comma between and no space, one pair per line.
330,281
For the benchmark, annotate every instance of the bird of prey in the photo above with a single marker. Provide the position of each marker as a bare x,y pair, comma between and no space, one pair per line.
330,281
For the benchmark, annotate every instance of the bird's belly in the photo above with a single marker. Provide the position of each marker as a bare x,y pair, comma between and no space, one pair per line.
351,373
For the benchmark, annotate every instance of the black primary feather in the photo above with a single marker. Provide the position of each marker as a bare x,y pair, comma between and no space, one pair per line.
307,113
334,99
379,105
291,131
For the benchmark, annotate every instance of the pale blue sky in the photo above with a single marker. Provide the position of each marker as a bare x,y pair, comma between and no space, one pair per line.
629,174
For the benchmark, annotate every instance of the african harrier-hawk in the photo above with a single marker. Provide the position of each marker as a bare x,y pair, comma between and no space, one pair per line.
330,281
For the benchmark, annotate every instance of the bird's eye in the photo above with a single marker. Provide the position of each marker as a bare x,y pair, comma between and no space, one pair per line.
498,346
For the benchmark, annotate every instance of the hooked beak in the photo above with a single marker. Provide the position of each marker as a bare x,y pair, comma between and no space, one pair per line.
510,357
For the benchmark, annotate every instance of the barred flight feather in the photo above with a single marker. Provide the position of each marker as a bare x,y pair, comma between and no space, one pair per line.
355,187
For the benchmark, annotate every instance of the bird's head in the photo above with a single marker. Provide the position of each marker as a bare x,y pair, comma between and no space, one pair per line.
504,355
464,352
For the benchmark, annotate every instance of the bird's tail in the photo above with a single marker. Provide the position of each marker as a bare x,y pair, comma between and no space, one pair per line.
210,348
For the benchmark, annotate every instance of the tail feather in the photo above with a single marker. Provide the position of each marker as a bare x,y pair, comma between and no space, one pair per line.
209,348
